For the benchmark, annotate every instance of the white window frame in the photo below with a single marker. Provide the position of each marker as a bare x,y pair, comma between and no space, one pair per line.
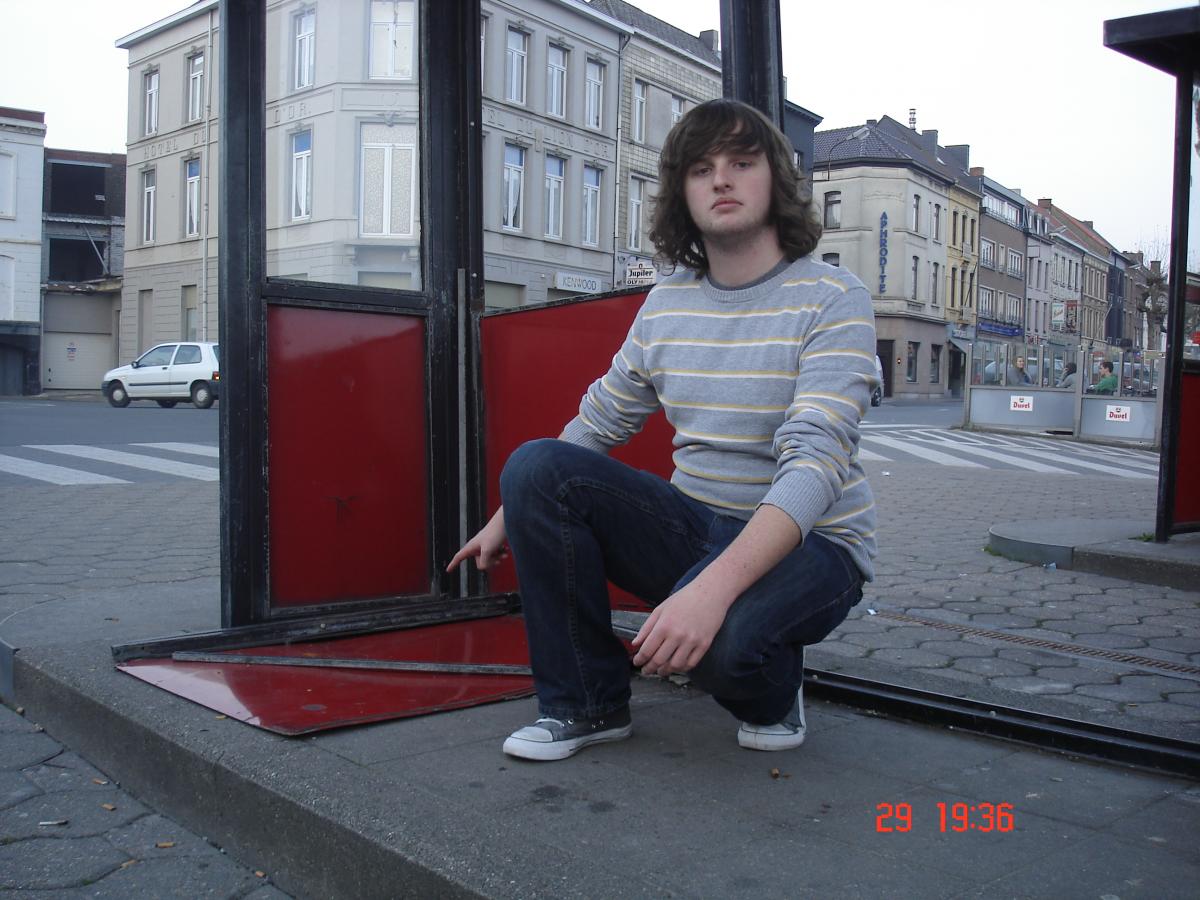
934,274
8,186
304,49
637,201
987,257
390,230
915,219
936,225
591,206
150,81
832,203
916,275
556,81
1016,256
195,74
676,108
594,94
191,190
554,190
512,210
640,91
516,63
831,259
987,302
149,192
389,70
300,202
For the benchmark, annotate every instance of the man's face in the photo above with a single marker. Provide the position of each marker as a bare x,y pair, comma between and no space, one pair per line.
1020,362
728,194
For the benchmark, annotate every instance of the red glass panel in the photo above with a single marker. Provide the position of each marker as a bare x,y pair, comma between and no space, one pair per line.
537,363
347,457
297,700
1187,451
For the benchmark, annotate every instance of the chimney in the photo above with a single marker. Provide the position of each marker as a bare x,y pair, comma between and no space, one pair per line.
709,39
872,121
912,118
960,153
929,139
1156,266
1045,203
1089,223
975,171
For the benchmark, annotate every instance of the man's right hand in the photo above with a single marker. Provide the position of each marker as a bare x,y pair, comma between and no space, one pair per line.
488,548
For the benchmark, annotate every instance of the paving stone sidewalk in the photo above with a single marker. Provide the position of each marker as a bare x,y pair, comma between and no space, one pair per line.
67,831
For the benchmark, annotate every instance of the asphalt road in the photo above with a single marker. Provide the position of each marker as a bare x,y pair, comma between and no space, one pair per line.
70,421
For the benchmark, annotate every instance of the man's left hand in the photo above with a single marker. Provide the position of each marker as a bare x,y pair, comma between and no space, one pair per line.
679,632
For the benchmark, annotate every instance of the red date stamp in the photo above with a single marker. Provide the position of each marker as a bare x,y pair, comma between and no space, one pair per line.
952,817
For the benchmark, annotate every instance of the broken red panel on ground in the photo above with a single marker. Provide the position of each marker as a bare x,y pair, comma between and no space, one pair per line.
294,700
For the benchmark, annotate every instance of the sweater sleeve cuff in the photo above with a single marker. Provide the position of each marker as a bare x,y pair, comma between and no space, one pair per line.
578,433
803,499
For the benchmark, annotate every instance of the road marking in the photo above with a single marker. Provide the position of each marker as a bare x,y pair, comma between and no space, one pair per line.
992,454
864,453
194,449
27,468
924,452
134,460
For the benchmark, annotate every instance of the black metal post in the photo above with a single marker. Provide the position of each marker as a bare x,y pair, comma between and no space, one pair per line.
242,331
752,55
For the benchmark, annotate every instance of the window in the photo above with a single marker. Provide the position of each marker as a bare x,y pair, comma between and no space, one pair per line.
935,363
556,81
191,216
556,170
483,23
301,175
969,296
8,286
937,222
186,354
514,65
637,197
195,107
916,269
591,205
594,95
514,186
392,34
953,286
987,253
987,302
911,369
954,227
933,284
8,185
639,110
1016,263
972,244
150,113
304,35
833,209
676,109
189,320
389,202
916,213
148,190
833,259
962,287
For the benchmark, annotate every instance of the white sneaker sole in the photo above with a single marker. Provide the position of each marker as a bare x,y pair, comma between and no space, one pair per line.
546,751
758,740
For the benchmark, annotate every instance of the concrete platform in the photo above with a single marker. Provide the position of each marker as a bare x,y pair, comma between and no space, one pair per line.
1115,547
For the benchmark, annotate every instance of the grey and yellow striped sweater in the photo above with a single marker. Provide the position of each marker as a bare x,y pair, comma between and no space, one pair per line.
765,386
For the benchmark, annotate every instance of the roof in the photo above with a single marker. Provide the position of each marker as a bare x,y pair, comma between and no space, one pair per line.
154,28
1081,233
656,28
886,141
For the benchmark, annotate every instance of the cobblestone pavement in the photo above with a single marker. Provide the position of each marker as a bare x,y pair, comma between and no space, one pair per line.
67,831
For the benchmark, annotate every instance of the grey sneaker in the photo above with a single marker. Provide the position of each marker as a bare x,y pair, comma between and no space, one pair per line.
548,739
785,735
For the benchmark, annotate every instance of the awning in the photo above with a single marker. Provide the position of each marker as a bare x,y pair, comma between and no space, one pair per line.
964,346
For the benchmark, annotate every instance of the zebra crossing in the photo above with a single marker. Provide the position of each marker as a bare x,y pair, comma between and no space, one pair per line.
81,464
975,450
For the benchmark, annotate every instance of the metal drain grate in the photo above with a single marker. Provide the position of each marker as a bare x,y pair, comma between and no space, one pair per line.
1042,644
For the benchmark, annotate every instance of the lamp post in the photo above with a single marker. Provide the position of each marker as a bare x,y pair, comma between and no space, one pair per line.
857,134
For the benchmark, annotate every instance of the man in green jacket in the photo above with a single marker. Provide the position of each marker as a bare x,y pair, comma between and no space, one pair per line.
1108,381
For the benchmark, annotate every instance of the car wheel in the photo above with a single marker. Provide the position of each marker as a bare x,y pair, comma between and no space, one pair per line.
117,395
877,397
166,404
202,395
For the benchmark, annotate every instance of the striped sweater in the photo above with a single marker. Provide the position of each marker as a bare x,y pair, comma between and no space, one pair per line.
764,385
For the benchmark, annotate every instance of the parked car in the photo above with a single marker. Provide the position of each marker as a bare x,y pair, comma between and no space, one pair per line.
877,394
166,374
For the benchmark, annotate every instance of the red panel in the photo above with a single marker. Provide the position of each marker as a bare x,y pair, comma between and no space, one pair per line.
1187,451
298,700
347,456
537,363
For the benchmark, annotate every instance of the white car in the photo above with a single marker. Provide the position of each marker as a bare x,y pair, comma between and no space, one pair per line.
167,373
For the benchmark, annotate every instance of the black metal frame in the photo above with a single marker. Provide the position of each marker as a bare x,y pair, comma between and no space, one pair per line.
752,55
1169,41
452,286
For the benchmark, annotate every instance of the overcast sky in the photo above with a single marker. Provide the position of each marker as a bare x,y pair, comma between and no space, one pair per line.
1027,83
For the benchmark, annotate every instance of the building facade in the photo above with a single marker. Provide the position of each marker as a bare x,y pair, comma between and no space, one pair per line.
82,265
1001,297
1039,255
22,154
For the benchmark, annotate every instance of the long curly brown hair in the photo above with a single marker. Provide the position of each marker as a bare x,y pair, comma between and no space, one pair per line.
710,128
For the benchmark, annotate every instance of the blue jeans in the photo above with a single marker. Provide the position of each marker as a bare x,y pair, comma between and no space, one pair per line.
576,518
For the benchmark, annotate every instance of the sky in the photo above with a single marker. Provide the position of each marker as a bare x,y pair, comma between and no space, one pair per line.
1027,84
